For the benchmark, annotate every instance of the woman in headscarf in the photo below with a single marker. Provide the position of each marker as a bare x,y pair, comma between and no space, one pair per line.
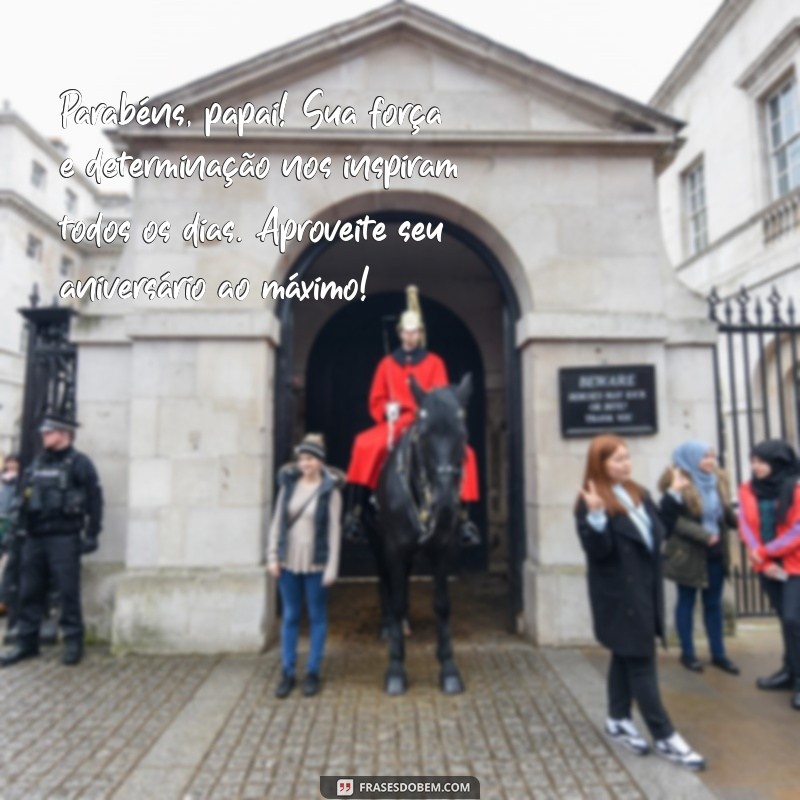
769,524
698,516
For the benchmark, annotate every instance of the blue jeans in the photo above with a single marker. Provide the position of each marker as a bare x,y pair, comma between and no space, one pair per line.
712,612
293,586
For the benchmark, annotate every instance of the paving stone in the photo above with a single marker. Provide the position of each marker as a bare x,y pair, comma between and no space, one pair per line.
110,726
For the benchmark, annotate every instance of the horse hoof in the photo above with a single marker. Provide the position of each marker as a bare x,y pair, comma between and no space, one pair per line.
395,685
452,684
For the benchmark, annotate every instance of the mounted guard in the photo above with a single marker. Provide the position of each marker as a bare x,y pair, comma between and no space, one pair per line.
393,406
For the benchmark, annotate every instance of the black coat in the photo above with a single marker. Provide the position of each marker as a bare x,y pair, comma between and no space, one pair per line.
625,582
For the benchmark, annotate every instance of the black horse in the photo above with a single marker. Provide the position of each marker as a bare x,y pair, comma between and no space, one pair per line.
417,509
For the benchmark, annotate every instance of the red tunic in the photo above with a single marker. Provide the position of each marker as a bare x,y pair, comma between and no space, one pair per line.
390,384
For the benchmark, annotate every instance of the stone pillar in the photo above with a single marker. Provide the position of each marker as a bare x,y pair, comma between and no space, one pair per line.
104,415
556,607
200,484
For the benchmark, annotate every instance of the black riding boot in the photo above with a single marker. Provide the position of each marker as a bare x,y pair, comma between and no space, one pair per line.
468,533
353,529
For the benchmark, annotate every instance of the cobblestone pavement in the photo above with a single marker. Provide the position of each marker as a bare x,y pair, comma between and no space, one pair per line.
78,732
182,728
517,729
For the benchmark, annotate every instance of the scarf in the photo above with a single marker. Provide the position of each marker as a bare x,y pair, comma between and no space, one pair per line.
688,457
785,471
638,514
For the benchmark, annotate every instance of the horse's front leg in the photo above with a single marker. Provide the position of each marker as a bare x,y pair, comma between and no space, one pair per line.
450,680
396,682
407,584
384,594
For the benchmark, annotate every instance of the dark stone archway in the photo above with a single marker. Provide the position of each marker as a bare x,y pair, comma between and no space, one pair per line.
286,396
338,377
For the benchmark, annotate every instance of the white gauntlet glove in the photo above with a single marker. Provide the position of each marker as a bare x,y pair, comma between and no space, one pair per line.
392,412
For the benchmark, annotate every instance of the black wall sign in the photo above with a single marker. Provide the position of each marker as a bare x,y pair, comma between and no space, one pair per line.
608,400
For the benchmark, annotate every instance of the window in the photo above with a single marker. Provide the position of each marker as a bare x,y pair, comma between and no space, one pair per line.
783,120
694,194
72,201
34,247
38,175
66,265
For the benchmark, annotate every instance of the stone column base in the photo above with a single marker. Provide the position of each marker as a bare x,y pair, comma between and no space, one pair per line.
556,605
199,610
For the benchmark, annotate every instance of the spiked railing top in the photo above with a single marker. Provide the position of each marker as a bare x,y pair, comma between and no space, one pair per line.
743,304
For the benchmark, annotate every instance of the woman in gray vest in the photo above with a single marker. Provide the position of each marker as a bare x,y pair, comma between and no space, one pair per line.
303,554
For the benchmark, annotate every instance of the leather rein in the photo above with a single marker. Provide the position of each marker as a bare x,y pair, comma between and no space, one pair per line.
415,477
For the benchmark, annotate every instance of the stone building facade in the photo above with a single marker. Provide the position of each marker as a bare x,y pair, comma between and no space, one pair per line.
552,256
33,198
730,201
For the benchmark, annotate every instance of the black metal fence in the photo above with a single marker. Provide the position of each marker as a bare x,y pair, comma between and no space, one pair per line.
50,371
756,370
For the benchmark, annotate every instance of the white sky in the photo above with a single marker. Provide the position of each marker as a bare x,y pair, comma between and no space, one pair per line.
150,46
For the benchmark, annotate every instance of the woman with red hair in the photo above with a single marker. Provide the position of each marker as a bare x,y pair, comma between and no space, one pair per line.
621,534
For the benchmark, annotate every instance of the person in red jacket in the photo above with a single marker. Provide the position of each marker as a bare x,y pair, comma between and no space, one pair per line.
393,407
769,524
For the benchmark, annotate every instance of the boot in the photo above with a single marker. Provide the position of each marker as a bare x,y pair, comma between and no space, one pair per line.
726,665
18,653
73,651
353,528
796,697
468,533
285,686
311,684
782,679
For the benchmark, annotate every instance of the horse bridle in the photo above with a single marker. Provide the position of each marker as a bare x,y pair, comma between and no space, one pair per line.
420,478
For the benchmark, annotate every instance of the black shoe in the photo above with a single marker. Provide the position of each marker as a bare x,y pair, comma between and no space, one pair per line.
17,654
726,665
782,679
691,663
73,652
310,684
285,686
468,534
10,636
796,699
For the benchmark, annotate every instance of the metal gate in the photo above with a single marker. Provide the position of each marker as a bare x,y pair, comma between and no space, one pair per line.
50,371
757,396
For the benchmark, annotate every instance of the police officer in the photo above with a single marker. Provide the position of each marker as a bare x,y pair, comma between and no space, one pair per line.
61,506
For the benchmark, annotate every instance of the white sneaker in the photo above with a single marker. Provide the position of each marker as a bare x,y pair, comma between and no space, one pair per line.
624,732
676,749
